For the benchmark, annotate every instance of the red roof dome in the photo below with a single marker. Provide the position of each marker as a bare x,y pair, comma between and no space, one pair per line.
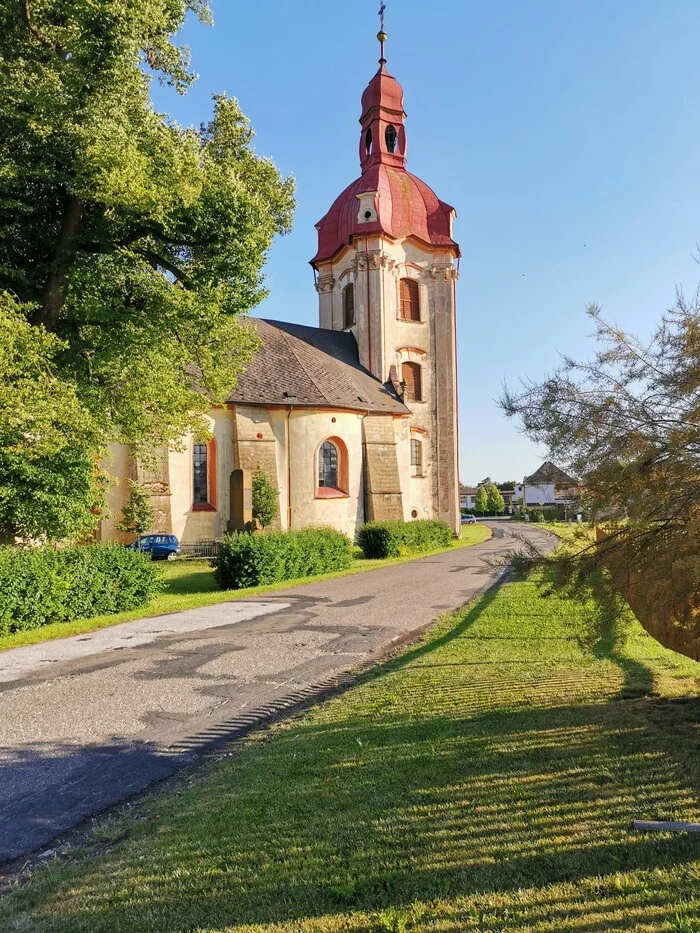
406,207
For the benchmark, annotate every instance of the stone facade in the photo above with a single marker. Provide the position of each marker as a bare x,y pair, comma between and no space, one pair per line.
375,267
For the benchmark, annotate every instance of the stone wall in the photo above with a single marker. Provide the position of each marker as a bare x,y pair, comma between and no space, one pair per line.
383,493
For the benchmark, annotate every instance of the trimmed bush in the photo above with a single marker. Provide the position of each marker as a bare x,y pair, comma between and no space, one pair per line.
244,559
43,585
396,539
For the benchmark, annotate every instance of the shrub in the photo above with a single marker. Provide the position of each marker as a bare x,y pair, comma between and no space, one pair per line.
43,585
265,505
137,514
536,515
395,539
244,560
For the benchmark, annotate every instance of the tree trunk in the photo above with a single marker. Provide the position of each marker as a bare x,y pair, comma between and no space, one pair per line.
7,534
64,254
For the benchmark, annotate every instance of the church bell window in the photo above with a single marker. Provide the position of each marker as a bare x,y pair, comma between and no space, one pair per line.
328,466
368,142
349,306
391,138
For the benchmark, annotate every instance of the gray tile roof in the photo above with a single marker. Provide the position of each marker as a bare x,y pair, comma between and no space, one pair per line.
311,367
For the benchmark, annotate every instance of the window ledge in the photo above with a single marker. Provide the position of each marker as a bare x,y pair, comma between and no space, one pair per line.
330,492
203,507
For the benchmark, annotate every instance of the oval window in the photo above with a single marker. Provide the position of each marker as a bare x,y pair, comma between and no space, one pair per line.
391,138
368,141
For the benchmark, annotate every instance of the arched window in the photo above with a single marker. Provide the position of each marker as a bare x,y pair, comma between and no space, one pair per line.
204,476
332,469
328,466
411,378
368,142
409,305
416,457
390,137
199,474
349,305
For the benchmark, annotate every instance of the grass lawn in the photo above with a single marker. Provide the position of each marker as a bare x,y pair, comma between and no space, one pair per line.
190,584
484,780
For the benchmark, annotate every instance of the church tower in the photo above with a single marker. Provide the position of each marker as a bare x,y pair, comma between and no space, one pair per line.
386,272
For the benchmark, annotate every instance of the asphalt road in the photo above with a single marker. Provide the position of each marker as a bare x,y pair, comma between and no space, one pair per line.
89,720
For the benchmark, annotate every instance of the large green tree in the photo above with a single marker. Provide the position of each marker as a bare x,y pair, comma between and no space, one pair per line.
50,483
137,243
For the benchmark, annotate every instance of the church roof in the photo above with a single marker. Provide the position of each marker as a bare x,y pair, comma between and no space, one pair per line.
311,367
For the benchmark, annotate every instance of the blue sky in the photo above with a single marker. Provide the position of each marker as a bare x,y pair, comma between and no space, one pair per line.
566,134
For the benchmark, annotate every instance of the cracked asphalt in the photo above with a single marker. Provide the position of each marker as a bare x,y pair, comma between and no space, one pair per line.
89,720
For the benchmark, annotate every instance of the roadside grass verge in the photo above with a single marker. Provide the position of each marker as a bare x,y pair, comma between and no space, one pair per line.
190,584
482,780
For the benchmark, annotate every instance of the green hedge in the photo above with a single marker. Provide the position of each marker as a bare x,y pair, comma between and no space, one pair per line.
256,559
396,539
43,585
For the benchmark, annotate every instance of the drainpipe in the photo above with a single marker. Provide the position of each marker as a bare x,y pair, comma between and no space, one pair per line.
369,319
455,412
365,493
289,470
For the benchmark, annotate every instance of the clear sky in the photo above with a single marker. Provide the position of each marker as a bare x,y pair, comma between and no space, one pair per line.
566,135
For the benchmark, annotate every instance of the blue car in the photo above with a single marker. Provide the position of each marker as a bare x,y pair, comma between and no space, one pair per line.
160,547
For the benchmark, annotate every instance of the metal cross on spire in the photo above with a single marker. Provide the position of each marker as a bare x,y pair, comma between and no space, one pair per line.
381,35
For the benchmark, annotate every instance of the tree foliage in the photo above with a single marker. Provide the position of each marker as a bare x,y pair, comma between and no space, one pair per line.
137,514
481,500
134,241
628,423
265,504
494,499
50,484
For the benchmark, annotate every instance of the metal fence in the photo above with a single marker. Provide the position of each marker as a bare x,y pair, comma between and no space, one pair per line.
199,548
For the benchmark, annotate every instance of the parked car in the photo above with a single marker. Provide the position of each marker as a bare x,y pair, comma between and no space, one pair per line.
468,520
160,547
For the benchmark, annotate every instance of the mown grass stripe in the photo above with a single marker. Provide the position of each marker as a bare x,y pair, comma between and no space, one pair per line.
449,789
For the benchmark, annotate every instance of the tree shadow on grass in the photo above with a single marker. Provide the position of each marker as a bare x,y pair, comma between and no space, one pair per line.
504,801
508,801
329,820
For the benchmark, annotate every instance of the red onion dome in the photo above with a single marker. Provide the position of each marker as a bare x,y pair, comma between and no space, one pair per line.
406,207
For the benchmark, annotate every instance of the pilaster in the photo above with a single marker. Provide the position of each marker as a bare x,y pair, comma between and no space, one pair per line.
324,286
444,440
